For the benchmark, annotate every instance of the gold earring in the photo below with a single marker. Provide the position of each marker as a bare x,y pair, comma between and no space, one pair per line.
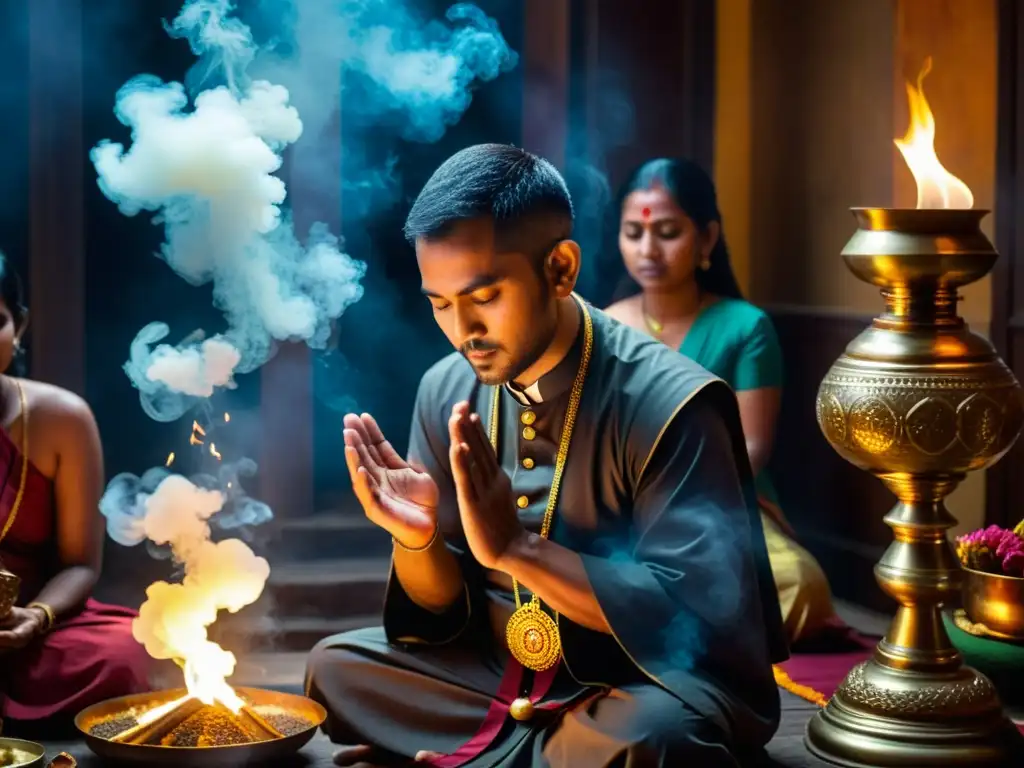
705,264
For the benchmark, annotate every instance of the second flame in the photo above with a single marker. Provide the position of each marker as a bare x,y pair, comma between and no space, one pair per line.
936,187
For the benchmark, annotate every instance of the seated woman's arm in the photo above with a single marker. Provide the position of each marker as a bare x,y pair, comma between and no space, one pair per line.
758,384
77,485
759,409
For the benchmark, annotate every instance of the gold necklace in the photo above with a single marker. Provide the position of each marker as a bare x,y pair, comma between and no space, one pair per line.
24,463
532,635
652,325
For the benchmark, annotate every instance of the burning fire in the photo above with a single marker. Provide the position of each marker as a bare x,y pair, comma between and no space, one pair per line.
224,575
936,187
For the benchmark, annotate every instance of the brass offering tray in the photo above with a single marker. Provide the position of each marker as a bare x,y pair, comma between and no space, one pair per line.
979,629
288,722
35,753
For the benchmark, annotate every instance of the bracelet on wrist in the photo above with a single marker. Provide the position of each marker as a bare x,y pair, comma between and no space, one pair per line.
424,548
48,616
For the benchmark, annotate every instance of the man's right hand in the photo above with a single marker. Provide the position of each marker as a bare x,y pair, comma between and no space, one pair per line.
399,498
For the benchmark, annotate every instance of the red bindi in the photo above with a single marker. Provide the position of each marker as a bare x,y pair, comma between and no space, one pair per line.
647,213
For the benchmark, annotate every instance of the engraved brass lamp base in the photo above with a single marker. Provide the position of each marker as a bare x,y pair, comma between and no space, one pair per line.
884,717
918,401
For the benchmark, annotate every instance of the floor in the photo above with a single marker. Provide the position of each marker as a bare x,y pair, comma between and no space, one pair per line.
787,749
285,670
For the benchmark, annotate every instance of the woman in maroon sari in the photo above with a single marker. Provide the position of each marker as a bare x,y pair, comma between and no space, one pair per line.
60,650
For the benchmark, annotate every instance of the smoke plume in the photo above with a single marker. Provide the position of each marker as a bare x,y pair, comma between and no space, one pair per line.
203,160
171,510
206,168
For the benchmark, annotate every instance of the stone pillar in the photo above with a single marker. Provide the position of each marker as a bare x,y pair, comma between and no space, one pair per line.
56,273
287,477
732,165
545,62
663,61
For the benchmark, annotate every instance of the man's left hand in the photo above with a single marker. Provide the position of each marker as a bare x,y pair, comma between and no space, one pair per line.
486,505
19,627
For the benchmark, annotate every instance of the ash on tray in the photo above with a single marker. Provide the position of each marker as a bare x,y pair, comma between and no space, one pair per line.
211,726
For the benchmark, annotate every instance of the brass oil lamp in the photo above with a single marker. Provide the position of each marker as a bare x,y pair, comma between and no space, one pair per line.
918,400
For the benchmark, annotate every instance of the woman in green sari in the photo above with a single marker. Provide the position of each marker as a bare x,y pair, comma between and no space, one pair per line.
685,294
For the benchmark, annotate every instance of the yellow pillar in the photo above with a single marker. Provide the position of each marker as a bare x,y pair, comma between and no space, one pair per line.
732,164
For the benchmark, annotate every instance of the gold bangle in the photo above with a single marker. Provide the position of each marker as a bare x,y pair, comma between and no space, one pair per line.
48,612
424,548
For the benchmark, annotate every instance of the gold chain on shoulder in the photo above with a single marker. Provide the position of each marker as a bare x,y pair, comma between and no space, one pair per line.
24,462
567,429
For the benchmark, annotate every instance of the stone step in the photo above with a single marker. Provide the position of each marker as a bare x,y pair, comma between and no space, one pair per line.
279,671
331,536
304,602
325,588
247,635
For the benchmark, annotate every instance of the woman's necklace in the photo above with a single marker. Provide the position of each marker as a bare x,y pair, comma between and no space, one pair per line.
655,326
24,463
532,635
652,325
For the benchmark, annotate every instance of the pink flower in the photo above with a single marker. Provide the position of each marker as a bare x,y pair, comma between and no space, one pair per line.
1013,564
992,550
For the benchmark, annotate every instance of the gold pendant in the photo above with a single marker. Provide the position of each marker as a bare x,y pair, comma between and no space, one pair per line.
532,638
521,709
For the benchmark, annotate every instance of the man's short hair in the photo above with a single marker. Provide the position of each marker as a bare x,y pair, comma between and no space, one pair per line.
523,194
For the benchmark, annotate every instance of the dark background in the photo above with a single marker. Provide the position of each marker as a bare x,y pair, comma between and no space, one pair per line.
384,342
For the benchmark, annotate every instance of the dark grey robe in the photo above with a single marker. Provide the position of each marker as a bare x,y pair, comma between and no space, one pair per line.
658,500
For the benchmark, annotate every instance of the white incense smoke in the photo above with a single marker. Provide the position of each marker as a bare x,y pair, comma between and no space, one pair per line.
169,509
209,172
207,169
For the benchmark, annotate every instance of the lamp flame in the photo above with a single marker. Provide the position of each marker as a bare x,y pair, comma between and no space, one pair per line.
936,187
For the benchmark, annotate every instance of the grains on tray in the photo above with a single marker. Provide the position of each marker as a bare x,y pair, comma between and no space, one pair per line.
209,727
108,729
288,725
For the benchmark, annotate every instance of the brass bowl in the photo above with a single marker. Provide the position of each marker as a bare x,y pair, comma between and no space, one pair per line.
10,585
995,601
271,753
35,752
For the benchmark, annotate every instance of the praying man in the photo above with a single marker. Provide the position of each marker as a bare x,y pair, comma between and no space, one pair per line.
579,573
